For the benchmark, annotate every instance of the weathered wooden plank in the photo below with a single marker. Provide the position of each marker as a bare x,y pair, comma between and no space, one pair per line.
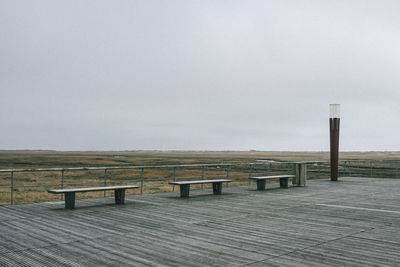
271,177
351,222
201,182
88,189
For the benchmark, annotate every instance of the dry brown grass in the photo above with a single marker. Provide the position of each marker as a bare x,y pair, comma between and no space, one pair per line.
54,159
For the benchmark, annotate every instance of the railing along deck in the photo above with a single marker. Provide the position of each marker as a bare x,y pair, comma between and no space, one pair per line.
30,184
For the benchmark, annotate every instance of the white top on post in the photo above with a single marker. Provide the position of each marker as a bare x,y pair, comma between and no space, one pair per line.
334,110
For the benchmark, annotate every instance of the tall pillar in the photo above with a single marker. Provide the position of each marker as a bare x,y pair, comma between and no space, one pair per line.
334,125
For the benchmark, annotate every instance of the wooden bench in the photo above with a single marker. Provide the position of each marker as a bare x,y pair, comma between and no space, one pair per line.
69,194
283,180
185,185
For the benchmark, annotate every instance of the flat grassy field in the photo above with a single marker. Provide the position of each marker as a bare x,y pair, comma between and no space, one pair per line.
25,183
51,159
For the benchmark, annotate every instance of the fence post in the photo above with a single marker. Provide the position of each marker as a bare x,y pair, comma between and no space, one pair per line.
12,187
174,175
141,181
370,166
62,183
350,169
105,181
250,172
227,176
202,177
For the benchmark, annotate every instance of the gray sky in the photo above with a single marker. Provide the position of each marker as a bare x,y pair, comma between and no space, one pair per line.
207,75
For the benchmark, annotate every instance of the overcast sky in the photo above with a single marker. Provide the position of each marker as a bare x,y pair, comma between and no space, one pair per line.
203,75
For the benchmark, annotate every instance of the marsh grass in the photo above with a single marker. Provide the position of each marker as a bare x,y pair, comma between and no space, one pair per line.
26,183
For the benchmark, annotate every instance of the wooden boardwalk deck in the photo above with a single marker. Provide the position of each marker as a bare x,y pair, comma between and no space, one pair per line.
355,221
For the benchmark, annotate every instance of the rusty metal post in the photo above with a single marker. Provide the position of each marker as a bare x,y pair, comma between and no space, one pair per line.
334,125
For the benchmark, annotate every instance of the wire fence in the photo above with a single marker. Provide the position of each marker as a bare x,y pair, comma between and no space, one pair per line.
31,185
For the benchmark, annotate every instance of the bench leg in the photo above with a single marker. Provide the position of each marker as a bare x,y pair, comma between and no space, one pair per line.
217,188
69,200
119,196
284,182
185,188
261,184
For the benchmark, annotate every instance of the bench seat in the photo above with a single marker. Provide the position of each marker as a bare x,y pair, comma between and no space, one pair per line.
283,180
185,185
69,193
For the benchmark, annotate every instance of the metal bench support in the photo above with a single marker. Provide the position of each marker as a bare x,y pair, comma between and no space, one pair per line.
185,188
217,188
284,182
261,184
69,200
119,196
